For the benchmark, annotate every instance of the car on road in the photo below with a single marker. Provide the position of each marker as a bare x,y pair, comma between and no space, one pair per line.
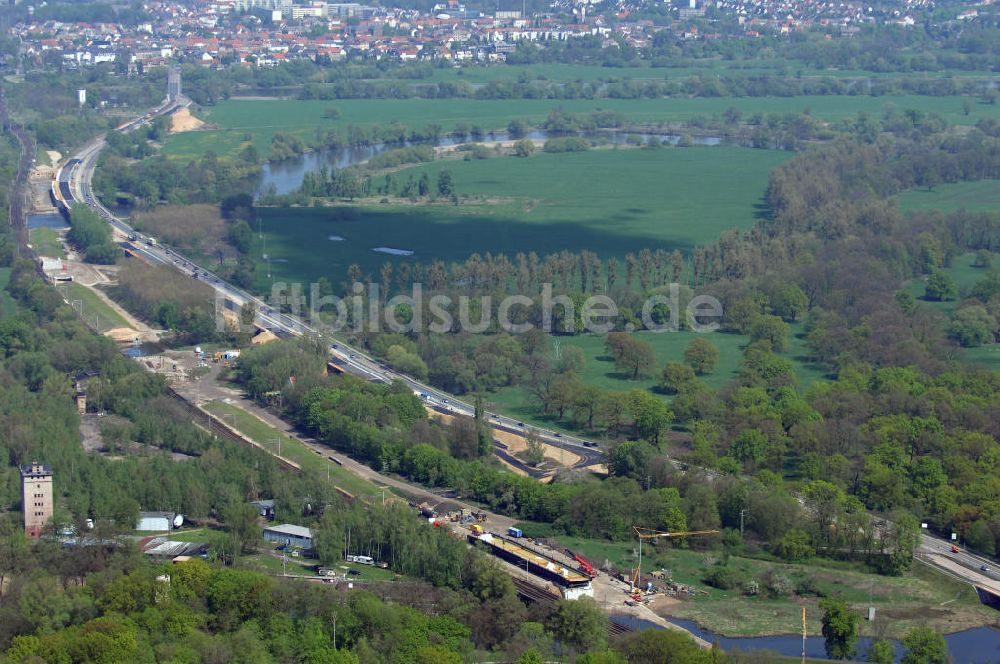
954,549
520,424
558,435
984,568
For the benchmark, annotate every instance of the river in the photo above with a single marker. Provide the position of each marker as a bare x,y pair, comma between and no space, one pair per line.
973,646
284,177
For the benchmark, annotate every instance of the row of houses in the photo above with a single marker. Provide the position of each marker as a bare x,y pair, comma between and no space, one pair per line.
222,33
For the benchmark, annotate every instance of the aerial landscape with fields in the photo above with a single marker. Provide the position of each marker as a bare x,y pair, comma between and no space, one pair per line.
576,332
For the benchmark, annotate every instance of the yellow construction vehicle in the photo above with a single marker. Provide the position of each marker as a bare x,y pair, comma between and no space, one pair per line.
476,529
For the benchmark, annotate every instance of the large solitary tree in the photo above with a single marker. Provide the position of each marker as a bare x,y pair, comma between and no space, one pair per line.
840,628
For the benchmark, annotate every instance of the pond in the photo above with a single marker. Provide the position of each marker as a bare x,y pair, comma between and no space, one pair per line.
53,220
142,350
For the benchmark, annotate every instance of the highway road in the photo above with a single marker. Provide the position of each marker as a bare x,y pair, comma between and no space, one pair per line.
933,550
976,570
283,324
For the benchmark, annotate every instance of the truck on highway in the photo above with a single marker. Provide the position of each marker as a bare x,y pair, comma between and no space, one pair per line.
515,532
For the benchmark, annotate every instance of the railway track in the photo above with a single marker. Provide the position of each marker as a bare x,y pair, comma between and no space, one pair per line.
18,194
532,593
218,428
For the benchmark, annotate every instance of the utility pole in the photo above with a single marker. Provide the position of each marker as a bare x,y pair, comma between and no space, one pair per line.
742,511
803,635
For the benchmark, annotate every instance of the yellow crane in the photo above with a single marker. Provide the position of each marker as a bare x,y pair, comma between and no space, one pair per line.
650,534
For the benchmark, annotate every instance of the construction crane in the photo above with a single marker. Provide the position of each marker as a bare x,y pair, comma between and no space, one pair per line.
650,534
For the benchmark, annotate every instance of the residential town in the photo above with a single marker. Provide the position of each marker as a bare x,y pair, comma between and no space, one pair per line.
265,33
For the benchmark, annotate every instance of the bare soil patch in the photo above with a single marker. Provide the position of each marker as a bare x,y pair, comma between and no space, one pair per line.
516,444
182,120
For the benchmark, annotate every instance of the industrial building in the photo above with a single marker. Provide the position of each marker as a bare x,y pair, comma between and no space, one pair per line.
155,521
290,535
36,498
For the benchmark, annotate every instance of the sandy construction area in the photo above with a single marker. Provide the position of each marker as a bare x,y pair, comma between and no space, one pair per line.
516,443
182,120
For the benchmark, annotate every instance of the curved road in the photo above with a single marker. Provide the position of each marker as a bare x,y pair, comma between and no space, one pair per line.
283,324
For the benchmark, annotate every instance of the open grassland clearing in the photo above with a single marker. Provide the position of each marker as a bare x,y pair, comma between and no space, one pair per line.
45,242
239,122
965,275
609,201
92,308
599,368
921,597
291,448
976,196
477,75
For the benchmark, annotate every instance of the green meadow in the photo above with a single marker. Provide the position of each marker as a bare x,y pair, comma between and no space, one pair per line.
975,196
237,122
45,242
704,67
95,311
609,201
599,368
900,601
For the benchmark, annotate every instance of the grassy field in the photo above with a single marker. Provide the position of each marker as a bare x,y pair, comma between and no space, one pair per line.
107,318
292,449
979,196
599,369
609,201
478,75
234,120
965,276
45,242
922,597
